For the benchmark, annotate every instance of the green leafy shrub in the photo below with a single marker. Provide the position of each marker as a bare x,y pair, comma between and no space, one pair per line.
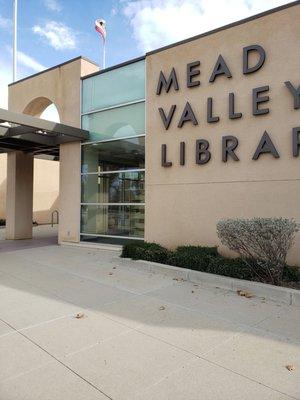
192,257
233,267
205,259
128,250
146,251
291,273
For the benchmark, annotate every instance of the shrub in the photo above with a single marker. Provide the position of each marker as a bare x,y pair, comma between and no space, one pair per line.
291,273
192,257
206,259
233,267
145,251
262,242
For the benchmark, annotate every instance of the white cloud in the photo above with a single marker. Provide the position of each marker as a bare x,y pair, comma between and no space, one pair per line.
5,23
114,11
58,35
53,5
5,79
6,72
29,62
26,61
156,23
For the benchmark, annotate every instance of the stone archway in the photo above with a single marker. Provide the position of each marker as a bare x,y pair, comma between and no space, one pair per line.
44,108
59,85
36,106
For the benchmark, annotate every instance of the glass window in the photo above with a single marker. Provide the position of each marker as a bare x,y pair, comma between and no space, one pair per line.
113,220
122,187
114,155
119,86
113,177
116,123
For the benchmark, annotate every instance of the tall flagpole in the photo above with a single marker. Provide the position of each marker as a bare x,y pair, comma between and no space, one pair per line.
104,53
15,26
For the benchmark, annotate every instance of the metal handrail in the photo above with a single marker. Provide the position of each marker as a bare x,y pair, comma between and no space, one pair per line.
52,217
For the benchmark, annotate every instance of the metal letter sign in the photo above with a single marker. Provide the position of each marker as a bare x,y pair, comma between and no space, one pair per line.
253,59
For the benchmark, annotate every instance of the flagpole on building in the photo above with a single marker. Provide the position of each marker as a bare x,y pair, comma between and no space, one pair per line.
15,27
104,53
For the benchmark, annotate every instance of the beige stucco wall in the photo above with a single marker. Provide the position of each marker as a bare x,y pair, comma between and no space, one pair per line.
61,86
184,203
45,190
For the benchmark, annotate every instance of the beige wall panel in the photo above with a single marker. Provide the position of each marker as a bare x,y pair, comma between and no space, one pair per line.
183,203
45,190
60,85
87,67
191,212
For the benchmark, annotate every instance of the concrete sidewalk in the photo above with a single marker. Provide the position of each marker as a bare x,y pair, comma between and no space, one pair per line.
43,235
140,335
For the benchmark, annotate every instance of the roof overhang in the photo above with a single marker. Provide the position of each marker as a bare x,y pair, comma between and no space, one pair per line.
34,135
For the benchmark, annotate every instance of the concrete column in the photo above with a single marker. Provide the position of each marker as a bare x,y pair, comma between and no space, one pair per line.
69,192
19,195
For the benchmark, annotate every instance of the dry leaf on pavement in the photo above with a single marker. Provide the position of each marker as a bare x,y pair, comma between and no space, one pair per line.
244,293
290,367
79,315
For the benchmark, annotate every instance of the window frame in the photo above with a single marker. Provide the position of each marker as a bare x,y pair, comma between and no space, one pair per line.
82,114
108,204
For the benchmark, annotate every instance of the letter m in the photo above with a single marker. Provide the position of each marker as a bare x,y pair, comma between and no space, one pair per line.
166,84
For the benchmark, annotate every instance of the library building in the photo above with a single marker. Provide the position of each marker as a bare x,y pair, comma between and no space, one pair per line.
162,147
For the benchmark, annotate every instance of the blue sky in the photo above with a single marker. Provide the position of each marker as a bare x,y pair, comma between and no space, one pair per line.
74,21
53,31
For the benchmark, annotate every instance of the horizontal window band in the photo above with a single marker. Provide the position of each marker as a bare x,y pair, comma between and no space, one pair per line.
112,236
113,107
113,204
112,140
121,171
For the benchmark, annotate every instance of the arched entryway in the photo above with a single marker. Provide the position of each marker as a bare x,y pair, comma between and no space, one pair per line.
34,96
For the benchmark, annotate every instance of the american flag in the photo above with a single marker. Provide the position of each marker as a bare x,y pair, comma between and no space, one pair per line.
100,26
